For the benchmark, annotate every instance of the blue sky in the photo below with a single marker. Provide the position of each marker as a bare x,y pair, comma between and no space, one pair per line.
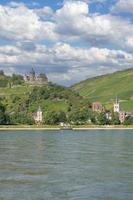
70,40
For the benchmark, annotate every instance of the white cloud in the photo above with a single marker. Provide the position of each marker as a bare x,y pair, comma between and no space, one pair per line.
124,6
129,42
64,63
72,8
44,12
22,23
19,23
73,21
28,29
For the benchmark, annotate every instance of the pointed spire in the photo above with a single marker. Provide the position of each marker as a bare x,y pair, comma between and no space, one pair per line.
116,100
32,72
39,109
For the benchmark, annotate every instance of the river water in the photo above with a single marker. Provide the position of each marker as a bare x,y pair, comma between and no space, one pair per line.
66,165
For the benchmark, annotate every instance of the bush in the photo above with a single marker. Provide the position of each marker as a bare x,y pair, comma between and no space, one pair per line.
21,119
128,120
55,117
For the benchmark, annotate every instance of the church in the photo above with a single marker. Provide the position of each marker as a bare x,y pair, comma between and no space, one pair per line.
117,106
122,114
38,116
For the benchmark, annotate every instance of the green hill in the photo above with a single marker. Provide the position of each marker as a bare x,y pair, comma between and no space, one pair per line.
25,99
105,88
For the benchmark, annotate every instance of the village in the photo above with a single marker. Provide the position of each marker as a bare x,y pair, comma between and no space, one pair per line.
39,105
97,107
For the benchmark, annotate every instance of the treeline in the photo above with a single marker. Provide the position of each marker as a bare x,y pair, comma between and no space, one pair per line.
9,81
75,117
4,117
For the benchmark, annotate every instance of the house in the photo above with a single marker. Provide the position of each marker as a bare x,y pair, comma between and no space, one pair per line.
123,115
38,116
109,115
97,107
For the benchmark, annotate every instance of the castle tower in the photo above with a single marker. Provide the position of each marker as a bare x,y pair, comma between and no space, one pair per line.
117,106
38,117
32,78
32,75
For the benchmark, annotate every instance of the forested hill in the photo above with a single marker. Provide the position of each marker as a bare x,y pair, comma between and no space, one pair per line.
22,100
8,81
105,88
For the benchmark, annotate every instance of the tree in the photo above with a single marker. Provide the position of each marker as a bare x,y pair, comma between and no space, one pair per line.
101,119
4,81
79,116
16,79
20,118
2,73
54,117
128,120
115,118
2,115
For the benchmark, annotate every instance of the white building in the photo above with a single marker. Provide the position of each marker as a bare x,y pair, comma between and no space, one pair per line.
109,115
38,116
117,106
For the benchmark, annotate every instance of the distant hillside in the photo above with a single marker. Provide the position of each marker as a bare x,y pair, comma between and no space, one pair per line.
105,88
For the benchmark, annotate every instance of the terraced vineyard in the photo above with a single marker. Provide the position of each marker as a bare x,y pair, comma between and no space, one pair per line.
105,88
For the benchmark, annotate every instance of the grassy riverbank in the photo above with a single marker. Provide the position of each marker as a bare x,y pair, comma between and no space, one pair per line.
58,127
29,127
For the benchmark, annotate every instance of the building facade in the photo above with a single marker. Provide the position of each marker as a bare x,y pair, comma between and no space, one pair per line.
32,78
97,107
123,115
117,106
38,116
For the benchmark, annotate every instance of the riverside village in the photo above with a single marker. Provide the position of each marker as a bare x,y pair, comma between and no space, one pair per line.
41,102
96,107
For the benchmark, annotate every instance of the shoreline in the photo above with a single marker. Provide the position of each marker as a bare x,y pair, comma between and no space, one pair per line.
102,128
29,129
62,129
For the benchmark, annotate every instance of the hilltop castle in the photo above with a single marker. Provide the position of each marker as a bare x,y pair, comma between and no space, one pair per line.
32,78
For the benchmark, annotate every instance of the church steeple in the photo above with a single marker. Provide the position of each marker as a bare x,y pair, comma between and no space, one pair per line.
116,105
116,100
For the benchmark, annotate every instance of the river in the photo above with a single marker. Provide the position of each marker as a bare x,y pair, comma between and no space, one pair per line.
66,165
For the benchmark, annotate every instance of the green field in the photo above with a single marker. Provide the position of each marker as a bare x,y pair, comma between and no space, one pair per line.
105,88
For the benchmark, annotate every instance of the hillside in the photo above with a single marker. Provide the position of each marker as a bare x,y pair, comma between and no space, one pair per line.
105,88
25,99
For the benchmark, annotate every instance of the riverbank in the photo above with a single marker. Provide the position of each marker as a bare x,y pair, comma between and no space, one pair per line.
28,127
57,128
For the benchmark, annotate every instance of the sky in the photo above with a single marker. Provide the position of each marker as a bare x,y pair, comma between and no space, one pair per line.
69,40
